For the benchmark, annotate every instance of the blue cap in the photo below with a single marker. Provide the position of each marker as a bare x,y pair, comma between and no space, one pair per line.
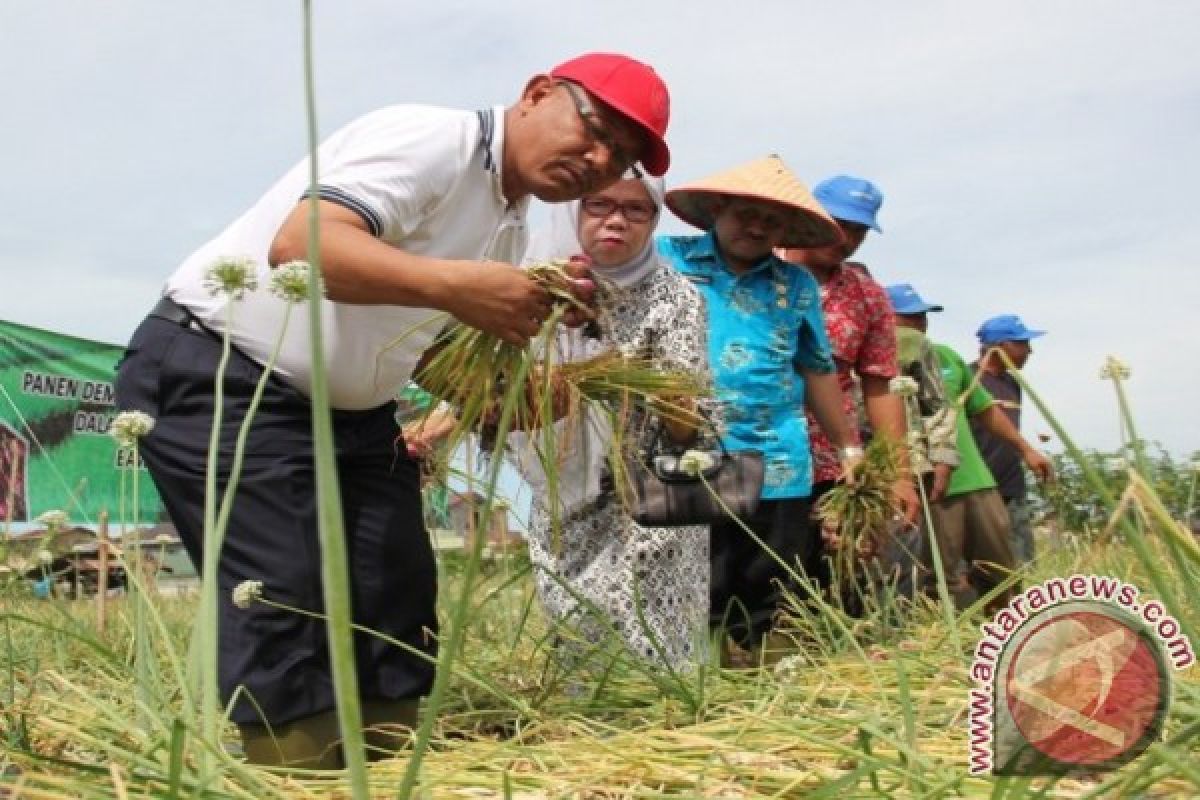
851,199
1005,328
905,300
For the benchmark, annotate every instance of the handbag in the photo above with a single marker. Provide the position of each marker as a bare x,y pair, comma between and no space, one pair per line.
698,487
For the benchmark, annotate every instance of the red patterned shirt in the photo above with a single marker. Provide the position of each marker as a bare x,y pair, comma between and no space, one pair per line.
862,332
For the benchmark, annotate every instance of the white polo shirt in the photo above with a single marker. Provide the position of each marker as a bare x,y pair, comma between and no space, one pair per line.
426,180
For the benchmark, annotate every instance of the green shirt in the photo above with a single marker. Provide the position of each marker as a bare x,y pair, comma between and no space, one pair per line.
972,473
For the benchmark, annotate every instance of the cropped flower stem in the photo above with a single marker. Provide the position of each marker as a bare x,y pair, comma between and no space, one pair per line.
144,652
205,632
331,526
1135,443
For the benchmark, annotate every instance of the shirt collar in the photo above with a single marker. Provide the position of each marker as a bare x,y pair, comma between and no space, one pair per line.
491,143
704,248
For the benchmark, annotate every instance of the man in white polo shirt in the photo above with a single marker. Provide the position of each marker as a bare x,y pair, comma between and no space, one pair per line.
421,211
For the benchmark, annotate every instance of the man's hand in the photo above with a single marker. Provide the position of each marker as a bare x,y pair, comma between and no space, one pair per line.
418,448
851,460
583,286
999,425
499,299
1041,467
904,495
422,435
941,481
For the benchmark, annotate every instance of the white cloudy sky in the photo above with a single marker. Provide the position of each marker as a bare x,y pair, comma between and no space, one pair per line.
1037,157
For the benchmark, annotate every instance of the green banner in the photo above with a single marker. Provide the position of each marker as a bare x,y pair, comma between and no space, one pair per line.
56,405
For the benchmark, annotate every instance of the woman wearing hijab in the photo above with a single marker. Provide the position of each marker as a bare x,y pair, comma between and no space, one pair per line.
598,570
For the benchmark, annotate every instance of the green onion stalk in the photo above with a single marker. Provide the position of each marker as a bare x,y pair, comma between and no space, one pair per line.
205,632
331,523
912,417
146,612
1118,372
144,654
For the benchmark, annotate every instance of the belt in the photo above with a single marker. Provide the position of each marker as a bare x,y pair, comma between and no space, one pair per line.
168,309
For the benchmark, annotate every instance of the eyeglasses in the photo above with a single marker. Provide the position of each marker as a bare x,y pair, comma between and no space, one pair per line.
604,206
618,155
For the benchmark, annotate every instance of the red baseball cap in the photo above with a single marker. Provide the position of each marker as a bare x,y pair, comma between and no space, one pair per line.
631,88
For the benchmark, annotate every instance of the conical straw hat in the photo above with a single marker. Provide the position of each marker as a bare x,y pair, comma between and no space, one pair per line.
766,179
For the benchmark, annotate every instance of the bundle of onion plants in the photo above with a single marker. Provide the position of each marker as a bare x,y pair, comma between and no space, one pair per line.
858,517
496,387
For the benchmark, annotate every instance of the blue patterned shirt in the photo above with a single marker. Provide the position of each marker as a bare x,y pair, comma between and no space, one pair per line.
763,326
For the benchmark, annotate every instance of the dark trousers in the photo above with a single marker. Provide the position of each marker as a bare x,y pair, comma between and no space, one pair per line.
815,558
748,585
278,657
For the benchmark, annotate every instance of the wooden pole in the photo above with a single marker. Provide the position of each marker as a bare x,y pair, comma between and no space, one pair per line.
102,575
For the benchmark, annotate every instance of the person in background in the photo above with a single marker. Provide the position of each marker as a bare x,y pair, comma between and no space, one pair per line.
1005,455
597,570
862,332
970,522
931,418
420,211
769,355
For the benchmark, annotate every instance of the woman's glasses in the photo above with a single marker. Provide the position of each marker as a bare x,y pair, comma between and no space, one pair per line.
604,206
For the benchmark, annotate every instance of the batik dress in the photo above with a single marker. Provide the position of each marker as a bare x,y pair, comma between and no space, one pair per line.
598,570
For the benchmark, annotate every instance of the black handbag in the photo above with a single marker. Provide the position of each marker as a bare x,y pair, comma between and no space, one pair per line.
667,491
